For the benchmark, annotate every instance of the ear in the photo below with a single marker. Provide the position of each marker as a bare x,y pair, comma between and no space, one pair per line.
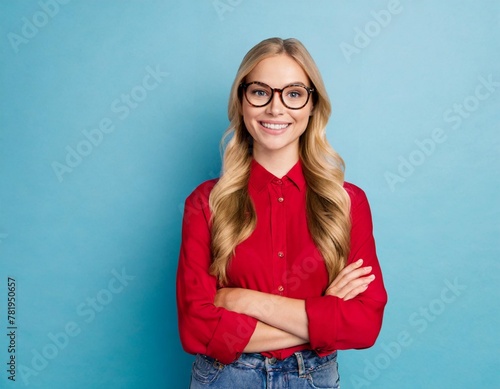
312,111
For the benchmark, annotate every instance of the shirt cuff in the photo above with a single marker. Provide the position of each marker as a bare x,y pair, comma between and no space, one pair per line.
231,336
320,312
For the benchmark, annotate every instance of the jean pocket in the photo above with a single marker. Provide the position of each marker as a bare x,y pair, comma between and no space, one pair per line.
325,376
206,370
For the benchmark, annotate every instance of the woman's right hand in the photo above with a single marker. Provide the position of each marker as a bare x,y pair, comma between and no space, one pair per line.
351,281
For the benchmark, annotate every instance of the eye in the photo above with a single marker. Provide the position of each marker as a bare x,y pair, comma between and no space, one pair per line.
259,92
295,93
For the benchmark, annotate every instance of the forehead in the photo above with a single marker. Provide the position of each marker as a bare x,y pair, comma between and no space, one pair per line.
278,71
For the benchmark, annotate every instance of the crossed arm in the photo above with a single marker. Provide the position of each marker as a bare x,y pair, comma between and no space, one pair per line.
223,323
282,321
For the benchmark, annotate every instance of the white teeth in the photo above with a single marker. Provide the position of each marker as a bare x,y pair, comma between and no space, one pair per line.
274,126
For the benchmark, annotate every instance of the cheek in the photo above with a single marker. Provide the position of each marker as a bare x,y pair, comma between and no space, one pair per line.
249,114
302,124
247,122
303,119
245,113
308,114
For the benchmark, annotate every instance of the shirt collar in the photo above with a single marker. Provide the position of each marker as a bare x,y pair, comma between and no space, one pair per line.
260,177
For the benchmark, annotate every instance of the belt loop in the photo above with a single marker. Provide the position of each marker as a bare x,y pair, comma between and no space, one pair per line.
300,364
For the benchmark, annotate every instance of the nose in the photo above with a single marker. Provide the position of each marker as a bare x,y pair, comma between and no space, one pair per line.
276,107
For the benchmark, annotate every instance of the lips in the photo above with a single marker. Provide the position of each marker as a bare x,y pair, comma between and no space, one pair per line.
274,126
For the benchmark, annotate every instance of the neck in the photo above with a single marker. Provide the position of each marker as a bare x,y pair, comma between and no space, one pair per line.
278,165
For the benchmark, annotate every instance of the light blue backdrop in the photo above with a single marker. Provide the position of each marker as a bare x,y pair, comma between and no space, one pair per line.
111,113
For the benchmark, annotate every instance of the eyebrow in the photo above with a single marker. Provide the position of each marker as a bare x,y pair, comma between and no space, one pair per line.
284,86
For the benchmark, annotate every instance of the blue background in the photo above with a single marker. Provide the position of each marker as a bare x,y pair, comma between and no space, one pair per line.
392,80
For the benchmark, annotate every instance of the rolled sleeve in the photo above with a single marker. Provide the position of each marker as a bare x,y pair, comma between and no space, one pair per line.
231,336
203,327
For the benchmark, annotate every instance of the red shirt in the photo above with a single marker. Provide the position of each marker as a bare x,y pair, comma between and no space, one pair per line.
279,257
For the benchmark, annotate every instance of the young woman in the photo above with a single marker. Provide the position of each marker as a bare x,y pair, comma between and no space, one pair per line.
277,268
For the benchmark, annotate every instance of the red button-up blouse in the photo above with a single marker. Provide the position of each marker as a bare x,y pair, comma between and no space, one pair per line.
279,257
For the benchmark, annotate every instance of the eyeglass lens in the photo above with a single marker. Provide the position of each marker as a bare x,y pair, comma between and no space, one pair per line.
292,96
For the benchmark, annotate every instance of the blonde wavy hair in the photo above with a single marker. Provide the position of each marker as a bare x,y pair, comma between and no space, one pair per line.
328,205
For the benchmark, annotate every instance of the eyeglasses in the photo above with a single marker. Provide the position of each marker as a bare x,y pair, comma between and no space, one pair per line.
294,96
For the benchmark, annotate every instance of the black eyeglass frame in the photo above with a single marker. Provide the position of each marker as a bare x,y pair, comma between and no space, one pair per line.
274,90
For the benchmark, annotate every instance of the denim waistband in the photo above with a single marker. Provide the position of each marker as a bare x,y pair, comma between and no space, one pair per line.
301,362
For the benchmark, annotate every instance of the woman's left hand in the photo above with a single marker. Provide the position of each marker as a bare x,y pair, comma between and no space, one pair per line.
351,281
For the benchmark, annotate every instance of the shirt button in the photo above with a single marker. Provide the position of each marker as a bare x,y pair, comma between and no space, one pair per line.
280,288
279,182
281,254
281,199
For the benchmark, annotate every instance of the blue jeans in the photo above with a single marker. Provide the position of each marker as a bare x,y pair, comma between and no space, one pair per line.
304,369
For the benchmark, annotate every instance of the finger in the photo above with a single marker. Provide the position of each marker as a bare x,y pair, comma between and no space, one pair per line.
353,293
352,266
349,269
354,284
358,287
341,282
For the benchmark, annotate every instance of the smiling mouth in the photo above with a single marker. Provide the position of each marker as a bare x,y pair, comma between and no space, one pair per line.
274,126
